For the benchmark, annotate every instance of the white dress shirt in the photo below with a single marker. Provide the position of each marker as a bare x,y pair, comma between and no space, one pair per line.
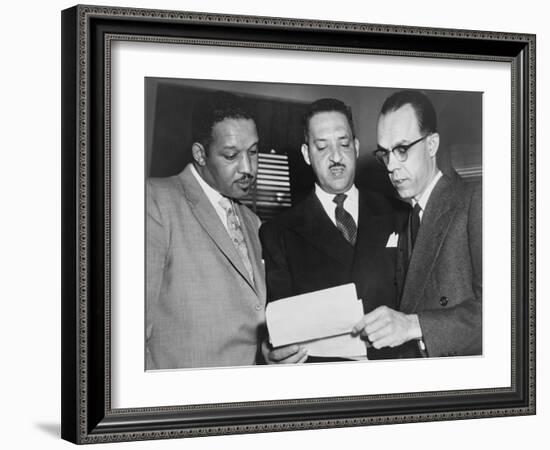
213,196
423,200
351,204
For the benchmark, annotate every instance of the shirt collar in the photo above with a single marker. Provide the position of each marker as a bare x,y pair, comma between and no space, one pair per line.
423,200
328,199
213,195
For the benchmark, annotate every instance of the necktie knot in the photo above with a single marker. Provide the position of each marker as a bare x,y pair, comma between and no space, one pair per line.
339,199
225,203
416,209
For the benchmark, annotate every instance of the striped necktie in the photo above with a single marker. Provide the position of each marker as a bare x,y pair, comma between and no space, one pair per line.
344,220
236,233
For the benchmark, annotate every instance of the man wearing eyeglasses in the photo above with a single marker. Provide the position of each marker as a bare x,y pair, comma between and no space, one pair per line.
439,264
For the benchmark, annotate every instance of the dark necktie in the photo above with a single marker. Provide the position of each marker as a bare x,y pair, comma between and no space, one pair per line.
415,222
344,221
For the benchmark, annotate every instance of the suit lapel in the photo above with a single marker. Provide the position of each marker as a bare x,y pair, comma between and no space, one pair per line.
403,252
321,233
373,232
205,214
373,228
433,230
250,232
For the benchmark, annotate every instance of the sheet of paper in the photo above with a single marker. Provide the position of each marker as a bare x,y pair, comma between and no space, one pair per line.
320,320
343,346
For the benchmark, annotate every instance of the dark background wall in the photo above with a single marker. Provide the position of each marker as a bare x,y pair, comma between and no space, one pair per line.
279,108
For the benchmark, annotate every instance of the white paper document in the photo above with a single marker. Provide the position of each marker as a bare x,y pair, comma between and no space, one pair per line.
321,321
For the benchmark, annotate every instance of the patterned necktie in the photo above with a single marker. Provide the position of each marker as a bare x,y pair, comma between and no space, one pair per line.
236,234
415,222
344,221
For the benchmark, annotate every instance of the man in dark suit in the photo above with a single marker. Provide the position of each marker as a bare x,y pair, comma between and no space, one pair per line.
440,265
338,234
205,281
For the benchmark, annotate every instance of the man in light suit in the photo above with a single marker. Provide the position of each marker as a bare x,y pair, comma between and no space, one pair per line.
205,281
440,265
338,234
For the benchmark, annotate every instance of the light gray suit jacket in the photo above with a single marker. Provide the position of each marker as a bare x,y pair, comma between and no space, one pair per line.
443,282
201,308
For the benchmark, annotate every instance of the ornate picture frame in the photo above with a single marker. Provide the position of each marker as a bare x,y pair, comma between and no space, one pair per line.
88,35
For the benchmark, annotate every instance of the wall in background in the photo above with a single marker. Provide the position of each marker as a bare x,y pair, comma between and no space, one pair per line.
279,108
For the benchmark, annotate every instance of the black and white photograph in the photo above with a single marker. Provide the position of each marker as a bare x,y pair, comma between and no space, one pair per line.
178,272
292,223
281,224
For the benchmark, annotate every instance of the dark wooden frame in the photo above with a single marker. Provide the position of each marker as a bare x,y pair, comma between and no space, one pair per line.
87,416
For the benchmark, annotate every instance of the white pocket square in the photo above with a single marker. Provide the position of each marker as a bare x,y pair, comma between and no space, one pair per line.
392,240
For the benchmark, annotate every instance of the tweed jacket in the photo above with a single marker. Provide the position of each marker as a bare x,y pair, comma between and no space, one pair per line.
441,278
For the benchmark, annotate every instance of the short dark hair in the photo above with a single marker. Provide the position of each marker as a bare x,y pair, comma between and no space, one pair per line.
215,108
423,108
326,105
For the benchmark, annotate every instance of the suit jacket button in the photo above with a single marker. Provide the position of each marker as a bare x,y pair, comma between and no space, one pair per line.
443,301
258,307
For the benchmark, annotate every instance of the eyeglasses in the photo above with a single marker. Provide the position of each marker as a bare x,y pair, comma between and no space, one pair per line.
399,151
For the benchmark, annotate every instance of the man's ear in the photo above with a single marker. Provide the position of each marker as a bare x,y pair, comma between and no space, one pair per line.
199,154
305,154
433,144
356,142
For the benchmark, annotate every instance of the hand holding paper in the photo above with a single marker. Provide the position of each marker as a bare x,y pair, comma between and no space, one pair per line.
320,321
288,354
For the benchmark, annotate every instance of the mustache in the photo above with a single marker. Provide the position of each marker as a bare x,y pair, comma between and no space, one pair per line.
337,164
246,177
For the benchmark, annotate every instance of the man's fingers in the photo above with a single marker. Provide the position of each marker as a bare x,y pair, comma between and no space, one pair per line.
298,357
280,353
386,341
358,327
288,354
389,336
370,319
385,327
379,334
378,325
